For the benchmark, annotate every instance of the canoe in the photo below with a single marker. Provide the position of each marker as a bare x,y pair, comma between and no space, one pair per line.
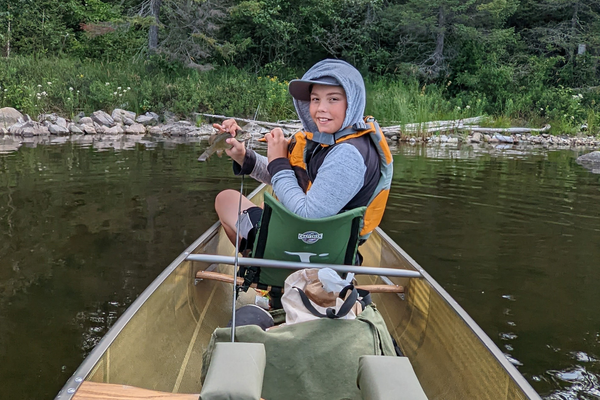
155,348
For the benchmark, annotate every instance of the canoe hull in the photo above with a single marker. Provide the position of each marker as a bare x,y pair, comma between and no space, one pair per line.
158,343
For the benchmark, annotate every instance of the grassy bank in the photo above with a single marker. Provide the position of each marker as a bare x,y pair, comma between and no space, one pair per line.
68,86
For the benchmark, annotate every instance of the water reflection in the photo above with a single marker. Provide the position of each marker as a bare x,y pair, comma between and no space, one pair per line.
85,226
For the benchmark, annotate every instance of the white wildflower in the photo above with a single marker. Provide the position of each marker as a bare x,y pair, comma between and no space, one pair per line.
106,84
114,93
541,108
467,107
70,88
120,94
458,107
128,88
119,88
572,117
39,85
49,83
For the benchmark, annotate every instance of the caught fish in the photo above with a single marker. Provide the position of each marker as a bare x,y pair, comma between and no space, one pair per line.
217,143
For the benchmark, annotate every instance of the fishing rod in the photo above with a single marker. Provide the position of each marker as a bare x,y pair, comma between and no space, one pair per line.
237,243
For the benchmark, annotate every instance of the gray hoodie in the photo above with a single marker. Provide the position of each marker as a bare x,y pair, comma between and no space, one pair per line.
341,176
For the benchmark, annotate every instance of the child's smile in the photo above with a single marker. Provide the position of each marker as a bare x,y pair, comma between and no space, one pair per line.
328,107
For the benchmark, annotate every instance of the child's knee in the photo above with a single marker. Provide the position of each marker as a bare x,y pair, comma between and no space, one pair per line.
225,197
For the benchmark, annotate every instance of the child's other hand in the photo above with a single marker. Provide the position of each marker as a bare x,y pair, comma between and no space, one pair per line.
229,125
238,150
277,144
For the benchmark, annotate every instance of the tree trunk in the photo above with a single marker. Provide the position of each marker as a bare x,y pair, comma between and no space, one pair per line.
574,39
8,41
153,31
438,55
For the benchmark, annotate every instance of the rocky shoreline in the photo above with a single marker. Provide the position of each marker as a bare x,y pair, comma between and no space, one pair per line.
126,126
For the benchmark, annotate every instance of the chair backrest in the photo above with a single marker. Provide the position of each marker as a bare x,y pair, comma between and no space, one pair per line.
282,235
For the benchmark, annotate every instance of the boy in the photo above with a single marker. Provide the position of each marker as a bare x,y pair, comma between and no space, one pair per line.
340,162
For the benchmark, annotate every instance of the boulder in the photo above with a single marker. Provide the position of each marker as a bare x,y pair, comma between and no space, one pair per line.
9,116
114,130
149,118
86,121
56,129
48,117
88,129
135,129
476,138
102,118
128,121
28,129
119,115
74,129
60,121
590,161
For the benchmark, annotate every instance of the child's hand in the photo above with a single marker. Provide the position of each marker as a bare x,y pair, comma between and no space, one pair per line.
238,150
229,125
277,144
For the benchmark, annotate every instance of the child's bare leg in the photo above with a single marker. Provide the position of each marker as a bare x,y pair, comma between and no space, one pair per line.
227,204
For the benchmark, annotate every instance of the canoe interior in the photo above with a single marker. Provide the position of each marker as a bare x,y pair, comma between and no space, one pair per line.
161,345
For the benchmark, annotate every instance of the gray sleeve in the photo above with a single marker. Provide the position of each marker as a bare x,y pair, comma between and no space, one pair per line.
340,178
259,172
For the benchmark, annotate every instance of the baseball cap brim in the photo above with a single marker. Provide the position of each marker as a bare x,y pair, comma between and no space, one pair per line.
300,88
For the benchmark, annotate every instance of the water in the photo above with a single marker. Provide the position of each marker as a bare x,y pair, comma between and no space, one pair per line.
512,235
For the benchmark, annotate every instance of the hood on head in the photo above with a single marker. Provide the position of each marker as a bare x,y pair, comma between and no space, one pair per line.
344,75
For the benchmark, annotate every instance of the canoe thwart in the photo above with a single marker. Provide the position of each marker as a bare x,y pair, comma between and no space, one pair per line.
388,378
217,276
260,262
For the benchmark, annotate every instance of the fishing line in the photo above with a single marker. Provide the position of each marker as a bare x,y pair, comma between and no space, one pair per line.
237,244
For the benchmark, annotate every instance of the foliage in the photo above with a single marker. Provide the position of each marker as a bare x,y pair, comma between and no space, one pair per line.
519,60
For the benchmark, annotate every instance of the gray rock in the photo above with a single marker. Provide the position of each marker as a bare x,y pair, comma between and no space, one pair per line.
135,129
88,129
9,116
503,138
128,121
594,156
169,117
86,121
155,130
590,161
48,118
102,118
61,122
114,130
476,138
28,129
75,129
78,117
56,129
119,115
149,118
3,131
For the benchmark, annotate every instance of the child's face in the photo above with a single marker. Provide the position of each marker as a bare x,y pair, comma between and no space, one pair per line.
328,107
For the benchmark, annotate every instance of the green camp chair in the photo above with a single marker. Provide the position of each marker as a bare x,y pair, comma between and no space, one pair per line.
282,235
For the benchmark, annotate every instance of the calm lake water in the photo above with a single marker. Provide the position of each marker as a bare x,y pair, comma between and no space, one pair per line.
512,235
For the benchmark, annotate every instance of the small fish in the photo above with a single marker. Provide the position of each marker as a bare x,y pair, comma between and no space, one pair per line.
218,144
